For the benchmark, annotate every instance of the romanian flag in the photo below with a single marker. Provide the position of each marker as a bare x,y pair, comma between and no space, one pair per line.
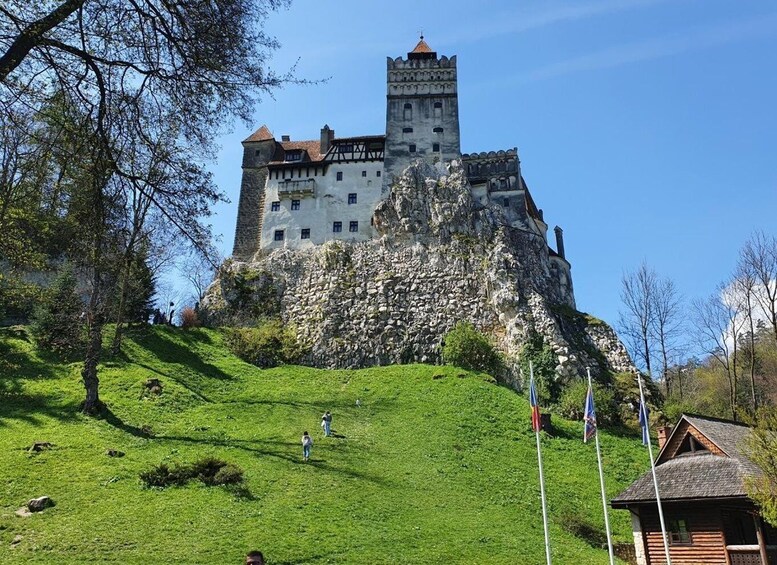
644,413
536,425
590,416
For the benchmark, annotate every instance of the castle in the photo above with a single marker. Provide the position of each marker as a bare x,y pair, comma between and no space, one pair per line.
301,194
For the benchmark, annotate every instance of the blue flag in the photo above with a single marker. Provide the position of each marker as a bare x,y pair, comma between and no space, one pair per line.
644,413
590,416
536,423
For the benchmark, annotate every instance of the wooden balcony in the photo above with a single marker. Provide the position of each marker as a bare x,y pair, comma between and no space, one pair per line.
750,554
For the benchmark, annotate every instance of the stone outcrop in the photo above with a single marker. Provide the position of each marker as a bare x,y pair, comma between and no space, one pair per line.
441,257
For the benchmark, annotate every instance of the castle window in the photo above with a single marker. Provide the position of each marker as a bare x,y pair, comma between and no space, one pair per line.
278,235
412,148
353,227
437,130
275,206
295,204
347,148
377,173
257,153
364,173
337,227
408,111
305,233
407,130
438,109
352,198
339,175
506,203
436,147
294,155
438,105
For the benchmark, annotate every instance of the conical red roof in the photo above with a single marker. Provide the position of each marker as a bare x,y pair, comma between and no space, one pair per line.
422,47
262,134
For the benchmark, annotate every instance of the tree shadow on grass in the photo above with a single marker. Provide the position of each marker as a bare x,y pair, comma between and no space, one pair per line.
112,419
31,408
167,350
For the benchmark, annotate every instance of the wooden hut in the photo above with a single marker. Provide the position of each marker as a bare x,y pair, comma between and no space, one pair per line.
701,470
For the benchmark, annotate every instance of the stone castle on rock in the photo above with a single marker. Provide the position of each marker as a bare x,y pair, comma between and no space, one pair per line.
299,194
374,247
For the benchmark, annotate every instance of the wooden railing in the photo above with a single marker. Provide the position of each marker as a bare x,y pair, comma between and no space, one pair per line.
750,554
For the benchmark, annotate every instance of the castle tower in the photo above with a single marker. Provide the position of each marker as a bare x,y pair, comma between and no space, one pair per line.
422,110
258,150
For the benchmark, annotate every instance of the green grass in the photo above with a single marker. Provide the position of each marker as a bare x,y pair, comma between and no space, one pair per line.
437,466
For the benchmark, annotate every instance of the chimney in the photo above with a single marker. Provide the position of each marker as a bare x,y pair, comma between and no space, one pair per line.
560,241
327,135
285,138
663,434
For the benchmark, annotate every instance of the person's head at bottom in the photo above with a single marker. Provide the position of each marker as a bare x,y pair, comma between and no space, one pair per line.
255,558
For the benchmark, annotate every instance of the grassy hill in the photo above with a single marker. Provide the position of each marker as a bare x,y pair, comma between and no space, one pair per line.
437,466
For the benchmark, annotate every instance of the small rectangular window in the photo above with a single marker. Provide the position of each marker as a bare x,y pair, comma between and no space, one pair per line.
295,204
377,173
678,532
339,175
436,147
506,203
352,198
353,227
412,148
305,234
337,227
438,104
278,235
275,206
407,130
364,173
346,148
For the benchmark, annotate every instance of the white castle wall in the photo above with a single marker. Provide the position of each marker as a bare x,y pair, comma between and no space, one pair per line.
327,204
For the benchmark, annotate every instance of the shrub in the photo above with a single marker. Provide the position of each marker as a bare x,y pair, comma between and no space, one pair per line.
210,470
57,324
228,475
467,348
189,318
544,360
268,345
164,476
572,403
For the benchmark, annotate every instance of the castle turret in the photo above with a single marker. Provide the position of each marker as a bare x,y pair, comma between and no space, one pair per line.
422,110
560,242
258,150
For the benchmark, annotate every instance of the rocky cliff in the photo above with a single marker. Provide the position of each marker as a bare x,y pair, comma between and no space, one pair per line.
441,257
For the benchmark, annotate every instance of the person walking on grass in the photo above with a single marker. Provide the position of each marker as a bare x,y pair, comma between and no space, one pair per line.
326,423
307,443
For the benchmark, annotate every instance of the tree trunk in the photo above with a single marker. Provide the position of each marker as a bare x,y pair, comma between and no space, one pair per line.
94,344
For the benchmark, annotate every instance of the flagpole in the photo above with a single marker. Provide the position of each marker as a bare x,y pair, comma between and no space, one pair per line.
542,483
601,482
653,469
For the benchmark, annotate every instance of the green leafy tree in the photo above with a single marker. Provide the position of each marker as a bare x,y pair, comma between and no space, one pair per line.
544,361
57,323
761,449
467,348
572,403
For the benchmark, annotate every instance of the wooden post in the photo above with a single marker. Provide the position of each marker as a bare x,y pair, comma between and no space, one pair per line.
759,532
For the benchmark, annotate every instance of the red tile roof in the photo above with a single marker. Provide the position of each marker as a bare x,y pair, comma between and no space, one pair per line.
262,134
312,147
422,47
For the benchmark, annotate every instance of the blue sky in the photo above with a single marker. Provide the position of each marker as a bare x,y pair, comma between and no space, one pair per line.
647,129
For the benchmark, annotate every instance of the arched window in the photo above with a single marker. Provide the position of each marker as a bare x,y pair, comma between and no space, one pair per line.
408,113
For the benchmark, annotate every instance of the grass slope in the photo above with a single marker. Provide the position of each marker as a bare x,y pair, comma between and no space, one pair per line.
437,466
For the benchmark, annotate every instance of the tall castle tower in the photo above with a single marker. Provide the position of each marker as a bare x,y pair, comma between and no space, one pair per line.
422,110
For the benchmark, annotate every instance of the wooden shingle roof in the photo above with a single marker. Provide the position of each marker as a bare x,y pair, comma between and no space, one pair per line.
717,471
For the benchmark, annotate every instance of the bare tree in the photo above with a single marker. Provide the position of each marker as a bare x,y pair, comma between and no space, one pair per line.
719,323
744,288
667,323
637,319
200,272
758,259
